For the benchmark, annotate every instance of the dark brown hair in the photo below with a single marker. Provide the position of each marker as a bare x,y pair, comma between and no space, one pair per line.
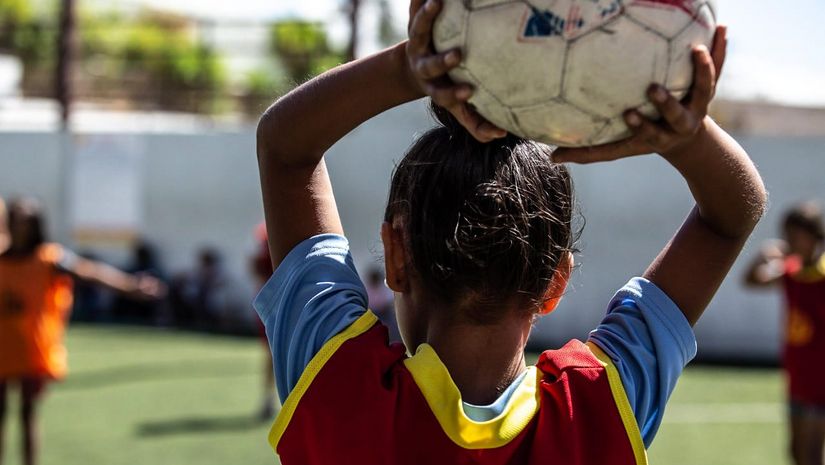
807,217
31,210
486,225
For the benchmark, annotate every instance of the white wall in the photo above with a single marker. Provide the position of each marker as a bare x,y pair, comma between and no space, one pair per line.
202,189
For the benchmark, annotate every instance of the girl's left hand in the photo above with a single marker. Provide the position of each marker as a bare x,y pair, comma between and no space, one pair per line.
680,122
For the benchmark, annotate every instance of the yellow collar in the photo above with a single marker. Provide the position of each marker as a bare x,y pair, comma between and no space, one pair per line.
444,400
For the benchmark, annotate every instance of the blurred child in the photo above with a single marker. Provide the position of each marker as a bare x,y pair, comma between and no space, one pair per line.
797,264
380,299
478,242
260,263
199,296
144,262
35,298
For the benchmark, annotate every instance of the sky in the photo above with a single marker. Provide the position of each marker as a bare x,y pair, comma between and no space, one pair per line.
776,52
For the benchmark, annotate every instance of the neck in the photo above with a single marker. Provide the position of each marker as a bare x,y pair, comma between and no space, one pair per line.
482,360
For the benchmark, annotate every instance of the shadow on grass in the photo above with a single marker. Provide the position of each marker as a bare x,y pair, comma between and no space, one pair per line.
200,425
155,371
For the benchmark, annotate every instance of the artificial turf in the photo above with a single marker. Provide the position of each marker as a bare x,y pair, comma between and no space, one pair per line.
149,396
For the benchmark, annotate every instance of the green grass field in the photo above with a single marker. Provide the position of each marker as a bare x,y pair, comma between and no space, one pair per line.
143,396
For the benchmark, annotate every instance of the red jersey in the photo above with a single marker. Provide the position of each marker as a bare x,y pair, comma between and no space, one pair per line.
805,330
360,401
35,300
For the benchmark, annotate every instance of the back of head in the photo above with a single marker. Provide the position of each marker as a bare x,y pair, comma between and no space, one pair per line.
27,225
486,225
807,217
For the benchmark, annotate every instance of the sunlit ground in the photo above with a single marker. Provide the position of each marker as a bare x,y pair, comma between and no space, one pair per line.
155,397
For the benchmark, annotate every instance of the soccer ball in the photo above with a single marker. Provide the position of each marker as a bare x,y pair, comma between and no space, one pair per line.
563,72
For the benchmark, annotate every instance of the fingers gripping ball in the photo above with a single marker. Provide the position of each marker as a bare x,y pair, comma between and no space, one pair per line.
564,72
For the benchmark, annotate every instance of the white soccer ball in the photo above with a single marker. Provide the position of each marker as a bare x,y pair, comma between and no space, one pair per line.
563,72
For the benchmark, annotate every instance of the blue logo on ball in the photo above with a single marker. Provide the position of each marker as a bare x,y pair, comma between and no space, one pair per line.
548,24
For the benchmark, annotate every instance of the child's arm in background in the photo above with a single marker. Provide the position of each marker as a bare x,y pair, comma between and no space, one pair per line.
101,274
295,131
729,192
769,266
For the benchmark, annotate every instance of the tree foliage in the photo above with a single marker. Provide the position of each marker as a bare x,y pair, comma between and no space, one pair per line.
157,53
302,48
388,33
14,12
23,34
151,57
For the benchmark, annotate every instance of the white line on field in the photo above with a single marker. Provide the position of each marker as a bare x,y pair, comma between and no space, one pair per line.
743,412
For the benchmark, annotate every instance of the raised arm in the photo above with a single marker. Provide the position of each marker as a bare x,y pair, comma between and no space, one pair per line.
730,195
730,200
296,130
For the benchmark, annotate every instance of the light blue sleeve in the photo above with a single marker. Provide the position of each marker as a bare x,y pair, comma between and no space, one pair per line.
650,341
313,295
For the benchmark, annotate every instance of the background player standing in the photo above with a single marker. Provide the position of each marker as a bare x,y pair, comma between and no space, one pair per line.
797,264
35,300
381,301
260,264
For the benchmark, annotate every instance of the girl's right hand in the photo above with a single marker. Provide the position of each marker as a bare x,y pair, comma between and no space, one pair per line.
429,69
682,122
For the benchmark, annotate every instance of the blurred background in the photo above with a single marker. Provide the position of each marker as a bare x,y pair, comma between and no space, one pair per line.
133,122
